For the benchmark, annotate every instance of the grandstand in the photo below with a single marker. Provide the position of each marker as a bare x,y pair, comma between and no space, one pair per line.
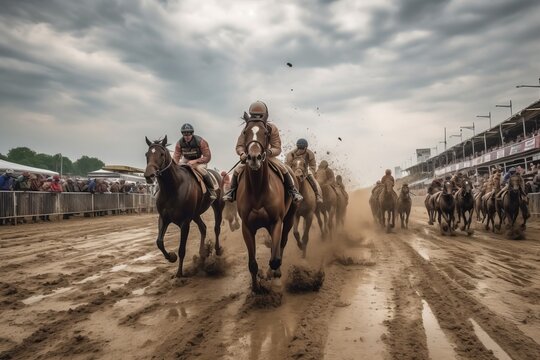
513,142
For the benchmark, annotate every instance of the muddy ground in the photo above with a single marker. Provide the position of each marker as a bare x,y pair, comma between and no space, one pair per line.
98,288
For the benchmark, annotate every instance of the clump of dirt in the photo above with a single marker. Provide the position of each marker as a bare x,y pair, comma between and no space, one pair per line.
265,298
346,260
303,279
11,296
515,234
215,266
78,344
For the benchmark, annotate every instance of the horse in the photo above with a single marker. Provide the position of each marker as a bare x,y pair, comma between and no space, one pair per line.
387,205
342,201
404,204
445,206
230,214
307,207
490,207
511,202
262,201
327,209
478,208
429,203
374,203
464,203
180,200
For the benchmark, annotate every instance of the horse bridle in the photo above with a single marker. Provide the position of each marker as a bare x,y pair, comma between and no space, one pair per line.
267,136
160,171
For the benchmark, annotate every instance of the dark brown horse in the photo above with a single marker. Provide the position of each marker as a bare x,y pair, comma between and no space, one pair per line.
404,204
429,203
464,205
445,205
327,209
510,204
262,201
180,200
387,205
307,207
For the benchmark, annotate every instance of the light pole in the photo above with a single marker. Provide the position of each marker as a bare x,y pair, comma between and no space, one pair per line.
474,134
460,136
506,106
488,117
529,86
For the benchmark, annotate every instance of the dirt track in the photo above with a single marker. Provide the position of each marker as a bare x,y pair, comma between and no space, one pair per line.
100,288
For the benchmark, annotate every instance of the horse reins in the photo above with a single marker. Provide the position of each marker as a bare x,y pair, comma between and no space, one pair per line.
160,171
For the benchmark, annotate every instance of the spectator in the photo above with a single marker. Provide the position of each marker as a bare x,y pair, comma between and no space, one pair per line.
7,181
101,186
115,187
55,184
23,182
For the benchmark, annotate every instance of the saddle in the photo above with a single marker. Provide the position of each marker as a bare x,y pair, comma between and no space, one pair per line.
200,180
273,167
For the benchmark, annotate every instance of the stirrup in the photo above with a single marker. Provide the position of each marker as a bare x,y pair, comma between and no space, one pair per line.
296,196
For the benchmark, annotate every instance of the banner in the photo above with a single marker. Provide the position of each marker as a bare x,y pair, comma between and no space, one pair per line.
422,155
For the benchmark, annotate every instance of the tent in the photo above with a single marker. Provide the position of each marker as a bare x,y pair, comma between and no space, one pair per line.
18,168
115,175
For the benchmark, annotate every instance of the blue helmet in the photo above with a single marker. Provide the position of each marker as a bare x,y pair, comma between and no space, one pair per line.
302,144
187,128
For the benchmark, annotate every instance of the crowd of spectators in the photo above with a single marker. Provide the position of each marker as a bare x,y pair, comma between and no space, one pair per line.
25,181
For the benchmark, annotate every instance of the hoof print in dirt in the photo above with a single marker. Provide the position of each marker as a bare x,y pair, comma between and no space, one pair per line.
345,260
304,279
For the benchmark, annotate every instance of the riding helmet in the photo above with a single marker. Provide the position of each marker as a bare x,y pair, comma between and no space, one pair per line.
258,108
302,144
187,128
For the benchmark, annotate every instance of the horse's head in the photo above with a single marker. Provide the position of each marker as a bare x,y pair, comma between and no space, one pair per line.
299,168
405,190
388,187
256,138
158,159
466,187
448,188
514,183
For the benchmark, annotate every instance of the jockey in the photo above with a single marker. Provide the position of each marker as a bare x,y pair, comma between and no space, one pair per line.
325,174
302,151
388,177
457,179
505,181
193,150
341,186
259,110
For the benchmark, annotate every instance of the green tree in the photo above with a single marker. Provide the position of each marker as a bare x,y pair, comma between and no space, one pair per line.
86,164
21,155
3,157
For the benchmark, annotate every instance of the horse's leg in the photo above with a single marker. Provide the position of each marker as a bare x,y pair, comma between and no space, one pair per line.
249,239
202,229
524,213
295,230
162,228
305,236
407,218
288,222
319,221
276,232
218,207
184,233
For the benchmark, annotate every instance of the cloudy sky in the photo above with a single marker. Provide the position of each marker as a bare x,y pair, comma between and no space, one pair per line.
95,77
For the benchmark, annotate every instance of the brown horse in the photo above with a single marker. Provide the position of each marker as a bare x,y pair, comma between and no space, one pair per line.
307,207
464,205
262,201
478,208
511,203
341,207
387,205
404,204
374,202
445,205
327,209
230,214
429,203
180,200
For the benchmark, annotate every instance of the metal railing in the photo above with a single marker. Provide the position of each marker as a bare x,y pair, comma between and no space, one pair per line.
34,203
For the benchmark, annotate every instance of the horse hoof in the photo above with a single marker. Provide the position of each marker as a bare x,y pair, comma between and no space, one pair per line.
219,251
172,257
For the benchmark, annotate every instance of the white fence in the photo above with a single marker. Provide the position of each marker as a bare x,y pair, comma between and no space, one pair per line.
30,203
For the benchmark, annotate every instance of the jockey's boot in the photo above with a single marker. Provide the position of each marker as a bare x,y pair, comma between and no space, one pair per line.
231,194
291,189
210,186
315,188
